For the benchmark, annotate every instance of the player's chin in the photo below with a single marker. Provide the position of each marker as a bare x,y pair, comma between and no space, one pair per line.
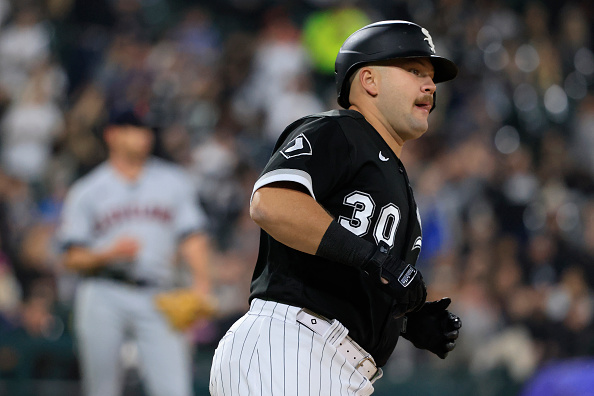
419,127
414,134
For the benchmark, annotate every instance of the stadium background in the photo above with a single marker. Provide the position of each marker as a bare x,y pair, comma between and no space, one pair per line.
504,178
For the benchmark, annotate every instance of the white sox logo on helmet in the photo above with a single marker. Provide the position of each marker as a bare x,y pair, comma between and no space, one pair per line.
428,39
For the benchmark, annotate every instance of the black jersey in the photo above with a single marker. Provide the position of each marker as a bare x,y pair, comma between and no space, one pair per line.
350,170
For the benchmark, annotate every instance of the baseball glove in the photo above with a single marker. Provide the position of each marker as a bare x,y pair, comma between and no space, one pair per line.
182,307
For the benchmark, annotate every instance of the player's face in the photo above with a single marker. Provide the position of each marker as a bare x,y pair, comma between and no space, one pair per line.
133,141
406,95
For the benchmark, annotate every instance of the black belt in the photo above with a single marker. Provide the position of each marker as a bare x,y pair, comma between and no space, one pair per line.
123,277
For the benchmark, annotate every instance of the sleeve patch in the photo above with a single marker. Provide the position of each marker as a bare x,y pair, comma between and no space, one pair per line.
296,147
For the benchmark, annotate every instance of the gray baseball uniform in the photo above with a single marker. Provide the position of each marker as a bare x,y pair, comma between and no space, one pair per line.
158,210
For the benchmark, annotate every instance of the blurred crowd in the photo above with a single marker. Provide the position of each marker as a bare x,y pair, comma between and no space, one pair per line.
504,177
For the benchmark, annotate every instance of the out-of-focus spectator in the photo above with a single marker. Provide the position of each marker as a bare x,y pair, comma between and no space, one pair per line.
196,36
297,100
28,130
36,257
24,44
215,166
279,59
325,30
18,212
82,142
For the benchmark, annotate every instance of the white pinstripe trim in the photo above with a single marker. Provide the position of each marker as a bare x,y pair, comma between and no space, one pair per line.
292,175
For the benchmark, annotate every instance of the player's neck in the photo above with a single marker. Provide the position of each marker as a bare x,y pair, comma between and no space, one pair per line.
128,168
390,137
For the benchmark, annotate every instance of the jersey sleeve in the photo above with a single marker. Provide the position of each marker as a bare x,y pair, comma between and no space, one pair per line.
316,155
76,226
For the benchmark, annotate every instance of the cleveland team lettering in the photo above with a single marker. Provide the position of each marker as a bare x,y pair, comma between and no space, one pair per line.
132,213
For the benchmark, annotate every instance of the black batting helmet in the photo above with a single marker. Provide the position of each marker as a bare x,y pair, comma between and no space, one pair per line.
383,41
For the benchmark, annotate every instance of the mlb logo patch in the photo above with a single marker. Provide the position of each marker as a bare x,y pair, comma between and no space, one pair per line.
296,147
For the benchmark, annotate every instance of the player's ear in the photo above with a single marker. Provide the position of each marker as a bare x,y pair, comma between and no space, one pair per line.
368,80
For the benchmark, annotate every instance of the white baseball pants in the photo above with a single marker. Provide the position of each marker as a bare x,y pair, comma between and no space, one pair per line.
104,312
267,352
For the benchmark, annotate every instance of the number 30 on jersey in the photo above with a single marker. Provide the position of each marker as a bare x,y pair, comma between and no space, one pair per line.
363,210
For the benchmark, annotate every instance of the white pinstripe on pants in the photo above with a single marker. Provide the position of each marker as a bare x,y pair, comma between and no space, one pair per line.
267,352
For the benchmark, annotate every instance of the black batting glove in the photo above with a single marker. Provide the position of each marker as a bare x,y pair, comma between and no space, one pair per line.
433,328
396,278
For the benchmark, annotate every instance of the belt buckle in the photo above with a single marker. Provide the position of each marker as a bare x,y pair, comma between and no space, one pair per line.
359,365
362,361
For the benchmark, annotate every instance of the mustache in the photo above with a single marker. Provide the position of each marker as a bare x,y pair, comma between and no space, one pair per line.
425,99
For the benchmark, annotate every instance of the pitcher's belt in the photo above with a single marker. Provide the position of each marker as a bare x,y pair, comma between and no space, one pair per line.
354,354
122,277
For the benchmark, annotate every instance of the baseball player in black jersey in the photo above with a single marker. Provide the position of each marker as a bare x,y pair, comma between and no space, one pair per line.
335,284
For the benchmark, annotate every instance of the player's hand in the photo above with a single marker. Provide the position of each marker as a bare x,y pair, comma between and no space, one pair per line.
124,249
433,328
400,280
